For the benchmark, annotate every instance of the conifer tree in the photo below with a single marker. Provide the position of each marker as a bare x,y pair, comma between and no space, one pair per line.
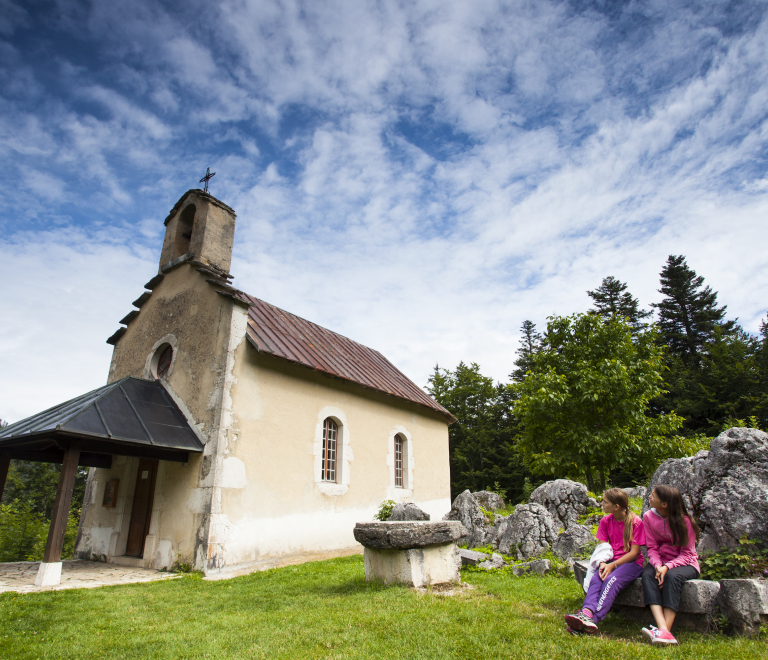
612,299
689,314
530,343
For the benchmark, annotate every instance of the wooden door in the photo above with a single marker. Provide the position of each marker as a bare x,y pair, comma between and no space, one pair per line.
141,513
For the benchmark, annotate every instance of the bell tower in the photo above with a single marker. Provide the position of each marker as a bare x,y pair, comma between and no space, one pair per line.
201,226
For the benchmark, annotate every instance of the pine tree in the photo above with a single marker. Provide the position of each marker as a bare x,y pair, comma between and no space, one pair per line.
689,314
530,344
612,299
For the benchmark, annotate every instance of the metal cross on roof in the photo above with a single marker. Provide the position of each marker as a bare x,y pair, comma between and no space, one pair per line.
207,177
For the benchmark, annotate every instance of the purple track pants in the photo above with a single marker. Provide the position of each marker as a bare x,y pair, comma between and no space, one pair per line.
601,595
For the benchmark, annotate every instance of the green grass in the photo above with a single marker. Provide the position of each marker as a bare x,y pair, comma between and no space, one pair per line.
327,610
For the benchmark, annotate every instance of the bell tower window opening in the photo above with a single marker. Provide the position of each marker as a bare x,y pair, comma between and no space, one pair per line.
330,436
184,229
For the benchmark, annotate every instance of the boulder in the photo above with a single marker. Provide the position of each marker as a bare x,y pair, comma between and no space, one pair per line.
726,488
528,532
466,510
540,566
572,541
471,557
404,535
564,499
488,500
745,604
407,511
637,491
592,503
496,561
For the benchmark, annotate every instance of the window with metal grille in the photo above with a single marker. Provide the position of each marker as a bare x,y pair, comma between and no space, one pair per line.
330,435
399,460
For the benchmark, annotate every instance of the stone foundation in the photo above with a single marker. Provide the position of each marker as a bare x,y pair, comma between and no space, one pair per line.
416,567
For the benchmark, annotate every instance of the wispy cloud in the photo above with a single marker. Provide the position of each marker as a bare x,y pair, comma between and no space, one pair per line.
419,176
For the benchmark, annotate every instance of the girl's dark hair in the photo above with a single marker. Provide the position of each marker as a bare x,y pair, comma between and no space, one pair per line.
618,496
678,512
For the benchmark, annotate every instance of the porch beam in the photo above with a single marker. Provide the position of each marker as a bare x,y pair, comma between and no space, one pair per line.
49,573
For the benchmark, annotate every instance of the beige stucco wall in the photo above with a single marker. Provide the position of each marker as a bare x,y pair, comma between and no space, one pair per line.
272,500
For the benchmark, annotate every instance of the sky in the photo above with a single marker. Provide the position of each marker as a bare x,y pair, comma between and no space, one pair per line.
419,176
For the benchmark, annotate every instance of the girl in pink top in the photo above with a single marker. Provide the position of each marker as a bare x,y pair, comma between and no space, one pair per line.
624,531
671,535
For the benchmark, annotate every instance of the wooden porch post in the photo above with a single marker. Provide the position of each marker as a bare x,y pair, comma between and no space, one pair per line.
49,573
5,461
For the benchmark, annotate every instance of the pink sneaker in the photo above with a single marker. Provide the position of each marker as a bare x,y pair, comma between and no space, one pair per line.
663,637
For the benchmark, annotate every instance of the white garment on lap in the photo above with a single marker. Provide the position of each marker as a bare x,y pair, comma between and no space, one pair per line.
602,553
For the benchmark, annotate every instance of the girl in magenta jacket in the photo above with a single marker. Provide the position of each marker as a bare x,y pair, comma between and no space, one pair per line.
671,535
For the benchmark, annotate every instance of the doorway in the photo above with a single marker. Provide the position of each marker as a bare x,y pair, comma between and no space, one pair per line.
141,513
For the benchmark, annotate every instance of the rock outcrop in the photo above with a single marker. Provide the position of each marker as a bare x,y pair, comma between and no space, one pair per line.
529,531
407,511
466,510
488,500
572,541
564,499
726,488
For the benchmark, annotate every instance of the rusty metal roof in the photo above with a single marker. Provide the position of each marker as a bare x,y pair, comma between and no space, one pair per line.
277,332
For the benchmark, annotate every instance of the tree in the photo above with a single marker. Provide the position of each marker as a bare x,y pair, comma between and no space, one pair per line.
481,442
530,343
689,314
612,299
583,408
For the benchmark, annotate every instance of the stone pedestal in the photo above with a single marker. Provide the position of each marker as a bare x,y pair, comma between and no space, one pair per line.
415,553
49,574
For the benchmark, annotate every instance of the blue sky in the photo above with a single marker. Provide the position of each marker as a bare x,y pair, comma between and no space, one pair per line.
419,176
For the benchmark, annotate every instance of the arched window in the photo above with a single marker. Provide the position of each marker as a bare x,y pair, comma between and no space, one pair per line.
330,436
400,461
162,361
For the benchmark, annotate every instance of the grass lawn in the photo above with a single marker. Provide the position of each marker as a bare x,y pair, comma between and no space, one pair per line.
327,610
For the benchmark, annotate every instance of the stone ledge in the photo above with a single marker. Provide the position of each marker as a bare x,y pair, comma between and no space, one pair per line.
407,535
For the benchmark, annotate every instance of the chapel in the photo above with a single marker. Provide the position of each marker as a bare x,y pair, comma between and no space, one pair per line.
231,434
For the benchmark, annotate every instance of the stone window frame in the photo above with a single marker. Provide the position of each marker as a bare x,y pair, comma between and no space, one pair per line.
404,492
150,366
344,455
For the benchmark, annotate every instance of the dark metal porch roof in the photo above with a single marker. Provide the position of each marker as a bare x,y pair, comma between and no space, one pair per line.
130,417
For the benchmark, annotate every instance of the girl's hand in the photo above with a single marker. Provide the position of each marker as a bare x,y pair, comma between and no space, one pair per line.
660,573
606,570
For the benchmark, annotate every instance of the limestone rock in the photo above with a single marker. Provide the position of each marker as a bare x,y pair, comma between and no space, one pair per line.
637,491
564,499
466,510
745,603
407,511
405,535
529,531
471,557
488,500
540,566
496,561
726,487
592,503
572,541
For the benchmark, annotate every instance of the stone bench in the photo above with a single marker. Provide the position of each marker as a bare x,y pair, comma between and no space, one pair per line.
745,604
698,601
416,553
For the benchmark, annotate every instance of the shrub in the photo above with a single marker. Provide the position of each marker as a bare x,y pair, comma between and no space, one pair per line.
385,510
750,559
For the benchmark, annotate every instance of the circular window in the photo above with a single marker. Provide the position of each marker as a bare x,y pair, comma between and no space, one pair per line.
164,358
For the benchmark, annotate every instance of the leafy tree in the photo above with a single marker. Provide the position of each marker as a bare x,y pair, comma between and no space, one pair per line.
583,408
689,314
481,442
530,343
612,299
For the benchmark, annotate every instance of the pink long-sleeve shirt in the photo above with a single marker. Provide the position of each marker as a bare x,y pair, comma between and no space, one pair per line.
658,538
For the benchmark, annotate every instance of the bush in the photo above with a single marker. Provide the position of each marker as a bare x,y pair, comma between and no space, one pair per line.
385,510
749,560
23,532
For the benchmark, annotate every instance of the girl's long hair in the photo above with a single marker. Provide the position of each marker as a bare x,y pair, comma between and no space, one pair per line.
618,496
678,512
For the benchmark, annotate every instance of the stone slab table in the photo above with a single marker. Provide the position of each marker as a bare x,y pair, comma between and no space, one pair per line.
416,553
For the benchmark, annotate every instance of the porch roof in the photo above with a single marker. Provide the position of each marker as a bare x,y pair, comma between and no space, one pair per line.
130,417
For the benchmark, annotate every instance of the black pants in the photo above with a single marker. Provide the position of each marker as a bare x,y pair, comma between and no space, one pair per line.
668,595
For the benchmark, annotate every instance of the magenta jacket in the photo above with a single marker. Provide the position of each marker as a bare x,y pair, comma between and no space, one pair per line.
658,538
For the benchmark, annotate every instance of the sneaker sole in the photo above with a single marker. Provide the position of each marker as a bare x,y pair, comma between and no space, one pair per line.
669,642
574,623
648,634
